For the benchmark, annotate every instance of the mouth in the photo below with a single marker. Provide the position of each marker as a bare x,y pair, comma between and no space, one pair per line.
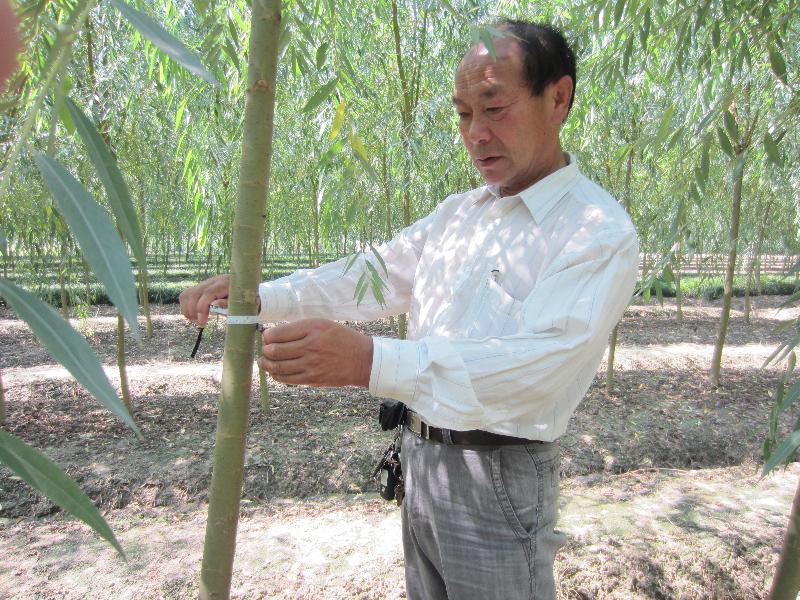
486,161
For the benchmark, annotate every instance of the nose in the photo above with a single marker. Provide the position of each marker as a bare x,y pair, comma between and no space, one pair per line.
478,131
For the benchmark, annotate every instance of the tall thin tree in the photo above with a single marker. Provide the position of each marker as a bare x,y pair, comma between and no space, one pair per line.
237,366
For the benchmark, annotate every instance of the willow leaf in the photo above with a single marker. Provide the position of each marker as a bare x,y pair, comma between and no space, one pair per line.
777,63
67,346
165,41
119,198
97,236
44,475
771,148
321,95
782,452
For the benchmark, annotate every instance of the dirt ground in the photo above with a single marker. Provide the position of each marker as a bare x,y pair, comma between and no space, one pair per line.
660,492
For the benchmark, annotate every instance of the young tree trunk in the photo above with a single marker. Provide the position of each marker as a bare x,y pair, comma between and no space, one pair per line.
612,344
62,281
730,271
2,402
751,261
237,362
86,282
144,299
786,583
123,375
410,90
676,273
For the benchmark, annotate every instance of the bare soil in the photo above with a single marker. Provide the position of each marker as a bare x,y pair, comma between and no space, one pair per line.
661,497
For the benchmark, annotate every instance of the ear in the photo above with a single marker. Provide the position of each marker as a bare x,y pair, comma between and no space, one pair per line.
561,92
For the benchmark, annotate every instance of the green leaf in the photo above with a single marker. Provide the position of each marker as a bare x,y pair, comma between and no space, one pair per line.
119,197
44,475
376,284
724,143
283,41
66,119
67,346
777,63
321,95
165,41
773,153
97,236
358,146
664,126
669,276
350,261
644,31
715,35
731,127
487,38
361,288
3,243
380,258
179,114
783,452
791,396
322,54
338,120
619,8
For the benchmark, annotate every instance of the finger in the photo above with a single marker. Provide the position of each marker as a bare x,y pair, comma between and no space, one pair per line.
282,368
187,303
283,350
288,332
204,303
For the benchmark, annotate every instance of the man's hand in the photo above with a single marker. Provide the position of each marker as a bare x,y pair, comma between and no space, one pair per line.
195,301
317,352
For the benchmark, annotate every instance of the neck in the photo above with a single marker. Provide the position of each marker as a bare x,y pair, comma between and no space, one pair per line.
559,159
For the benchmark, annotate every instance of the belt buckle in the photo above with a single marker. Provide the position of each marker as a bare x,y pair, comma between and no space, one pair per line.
417,426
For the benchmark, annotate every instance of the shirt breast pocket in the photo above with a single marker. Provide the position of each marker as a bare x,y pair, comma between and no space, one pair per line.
496,312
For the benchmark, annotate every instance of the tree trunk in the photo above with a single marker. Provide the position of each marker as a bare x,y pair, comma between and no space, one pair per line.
612,344
751,260
2,402
123,375
62,283
727,296
676,273
786,583
144,299
237,365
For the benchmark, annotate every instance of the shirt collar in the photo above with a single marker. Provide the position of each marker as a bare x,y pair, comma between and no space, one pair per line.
542,196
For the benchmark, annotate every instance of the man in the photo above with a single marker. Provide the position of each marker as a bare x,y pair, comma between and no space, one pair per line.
511,290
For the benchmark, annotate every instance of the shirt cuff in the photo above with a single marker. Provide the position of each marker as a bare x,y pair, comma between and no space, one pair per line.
277,302
394,368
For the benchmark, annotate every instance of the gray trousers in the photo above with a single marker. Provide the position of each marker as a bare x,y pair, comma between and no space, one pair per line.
478,523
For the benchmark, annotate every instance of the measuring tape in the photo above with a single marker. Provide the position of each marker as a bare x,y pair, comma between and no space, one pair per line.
234,319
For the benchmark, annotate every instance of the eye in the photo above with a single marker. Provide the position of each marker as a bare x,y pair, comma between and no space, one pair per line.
463,115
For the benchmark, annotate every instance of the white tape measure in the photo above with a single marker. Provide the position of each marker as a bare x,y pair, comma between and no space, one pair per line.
234,319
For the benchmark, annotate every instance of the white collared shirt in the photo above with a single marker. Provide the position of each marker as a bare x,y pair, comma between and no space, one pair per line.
510,301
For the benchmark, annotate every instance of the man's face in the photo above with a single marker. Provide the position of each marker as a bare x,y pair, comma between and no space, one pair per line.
511,135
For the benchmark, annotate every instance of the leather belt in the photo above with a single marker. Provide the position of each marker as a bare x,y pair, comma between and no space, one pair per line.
475,437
